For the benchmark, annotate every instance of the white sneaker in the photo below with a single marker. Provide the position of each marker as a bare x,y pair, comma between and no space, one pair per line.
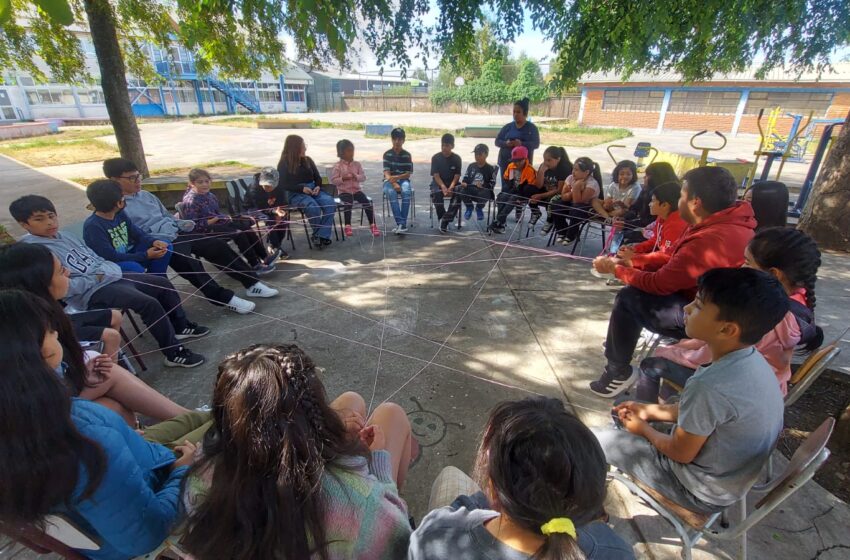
396,228
261,290
240,305
402,229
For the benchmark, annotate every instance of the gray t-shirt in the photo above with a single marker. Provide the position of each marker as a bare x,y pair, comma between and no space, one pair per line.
737,403
613,191
458,532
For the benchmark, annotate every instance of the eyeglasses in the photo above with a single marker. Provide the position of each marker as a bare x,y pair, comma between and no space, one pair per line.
133,178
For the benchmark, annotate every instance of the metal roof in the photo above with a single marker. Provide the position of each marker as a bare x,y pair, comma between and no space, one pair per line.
840,73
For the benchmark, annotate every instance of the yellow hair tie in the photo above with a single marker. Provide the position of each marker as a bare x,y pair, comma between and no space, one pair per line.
559,525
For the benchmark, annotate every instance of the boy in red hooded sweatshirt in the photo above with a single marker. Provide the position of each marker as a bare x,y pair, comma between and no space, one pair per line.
654,298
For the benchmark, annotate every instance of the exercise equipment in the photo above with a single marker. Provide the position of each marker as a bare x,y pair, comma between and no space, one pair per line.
703,159
772,154
642,151
822,149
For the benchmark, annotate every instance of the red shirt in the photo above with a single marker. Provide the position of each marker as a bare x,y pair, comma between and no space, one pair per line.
717,242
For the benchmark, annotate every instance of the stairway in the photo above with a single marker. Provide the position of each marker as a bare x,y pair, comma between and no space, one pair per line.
237,94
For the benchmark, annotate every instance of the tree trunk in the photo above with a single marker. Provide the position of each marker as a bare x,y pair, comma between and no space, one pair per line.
114,81
826,212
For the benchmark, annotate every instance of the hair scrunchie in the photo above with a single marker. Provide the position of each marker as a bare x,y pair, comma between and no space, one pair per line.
559,525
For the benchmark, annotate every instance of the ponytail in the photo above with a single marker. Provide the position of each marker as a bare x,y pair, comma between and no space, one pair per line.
597,174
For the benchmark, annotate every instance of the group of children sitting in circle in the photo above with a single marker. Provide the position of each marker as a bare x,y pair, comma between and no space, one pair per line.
276,469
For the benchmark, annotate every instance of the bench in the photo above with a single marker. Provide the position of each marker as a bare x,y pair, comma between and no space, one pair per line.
284,123
481,131
378,129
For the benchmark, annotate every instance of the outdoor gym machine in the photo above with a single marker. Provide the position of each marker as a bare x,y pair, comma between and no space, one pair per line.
823,147
642,151
703,159
770,156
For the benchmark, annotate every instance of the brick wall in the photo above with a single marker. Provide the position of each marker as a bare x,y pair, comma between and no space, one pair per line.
594,115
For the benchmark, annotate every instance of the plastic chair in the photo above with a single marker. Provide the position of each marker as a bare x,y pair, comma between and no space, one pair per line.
692,526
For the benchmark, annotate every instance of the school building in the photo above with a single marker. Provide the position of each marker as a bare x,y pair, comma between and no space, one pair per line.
182,90
729,103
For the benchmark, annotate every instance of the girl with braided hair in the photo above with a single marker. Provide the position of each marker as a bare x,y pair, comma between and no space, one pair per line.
286,475
793,258
543,478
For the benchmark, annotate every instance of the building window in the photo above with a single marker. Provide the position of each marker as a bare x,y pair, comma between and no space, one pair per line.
91,97
295,93
790,101
632,100
45,96
705,102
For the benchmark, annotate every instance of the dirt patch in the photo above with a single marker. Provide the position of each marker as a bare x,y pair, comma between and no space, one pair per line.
829,396
575,136
69,145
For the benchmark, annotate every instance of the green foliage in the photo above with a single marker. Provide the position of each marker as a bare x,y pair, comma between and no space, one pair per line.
399,90
528,83
490,87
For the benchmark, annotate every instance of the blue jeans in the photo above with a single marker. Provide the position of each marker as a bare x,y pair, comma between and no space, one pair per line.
151,266
319,209
399,213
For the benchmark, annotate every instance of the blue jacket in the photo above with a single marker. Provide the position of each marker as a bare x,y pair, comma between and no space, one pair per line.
528,134
118,239
136,504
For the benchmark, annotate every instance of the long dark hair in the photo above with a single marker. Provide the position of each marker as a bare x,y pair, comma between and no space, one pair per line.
770,204
540,462
625,164
586,164
290,157
659,173
272,439
798,257
28,267
565,166
41,448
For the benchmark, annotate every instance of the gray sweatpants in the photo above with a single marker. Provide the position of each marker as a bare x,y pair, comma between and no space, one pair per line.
634,455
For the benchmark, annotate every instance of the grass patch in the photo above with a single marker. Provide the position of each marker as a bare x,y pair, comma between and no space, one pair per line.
70,145
217,169
420,133
579,136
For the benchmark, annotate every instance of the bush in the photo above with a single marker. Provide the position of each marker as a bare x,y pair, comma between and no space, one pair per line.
490,88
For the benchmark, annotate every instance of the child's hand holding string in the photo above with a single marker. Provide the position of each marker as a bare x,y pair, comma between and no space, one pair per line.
353,420
373,437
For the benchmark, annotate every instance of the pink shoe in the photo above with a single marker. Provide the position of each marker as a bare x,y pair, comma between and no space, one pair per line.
348,231
375,231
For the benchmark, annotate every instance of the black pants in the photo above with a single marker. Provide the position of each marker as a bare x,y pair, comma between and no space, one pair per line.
477,196
190,268
633,311
348,200
513,199
242,232
568,218
153,298
439,202
89,325
218,252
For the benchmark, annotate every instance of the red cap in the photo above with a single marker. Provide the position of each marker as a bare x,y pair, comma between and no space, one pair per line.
520,152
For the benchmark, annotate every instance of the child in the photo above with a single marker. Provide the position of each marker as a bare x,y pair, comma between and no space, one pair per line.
201,206
543,475
769,200
285,474
793,258
303,185
479,183
580,189
638,215
99,284
445,176
72,457
147,212
92,376
347,175
268,198
111,234
623,190
664,232
398,167
517,186
551,176
731,411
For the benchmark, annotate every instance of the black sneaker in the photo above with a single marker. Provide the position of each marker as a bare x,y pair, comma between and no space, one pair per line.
609,385
273,257
184,358
444,227
325,242
192,330
496,227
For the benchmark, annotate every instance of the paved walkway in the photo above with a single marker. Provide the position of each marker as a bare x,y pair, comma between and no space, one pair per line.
464,324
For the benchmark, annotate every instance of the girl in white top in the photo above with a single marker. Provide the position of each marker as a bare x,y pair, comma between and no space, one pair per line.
621,192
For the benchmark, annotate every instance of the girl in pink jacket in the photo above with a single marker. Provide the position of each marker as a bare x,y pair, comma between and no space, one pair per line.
794,258
347,175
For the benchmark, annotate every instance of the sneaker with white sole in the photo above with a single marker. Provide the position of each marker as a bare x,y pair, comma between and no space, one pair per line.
273,257
184,358
609,385
396,228
261,269
547,227
191,330
401,229
239,305
261,290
